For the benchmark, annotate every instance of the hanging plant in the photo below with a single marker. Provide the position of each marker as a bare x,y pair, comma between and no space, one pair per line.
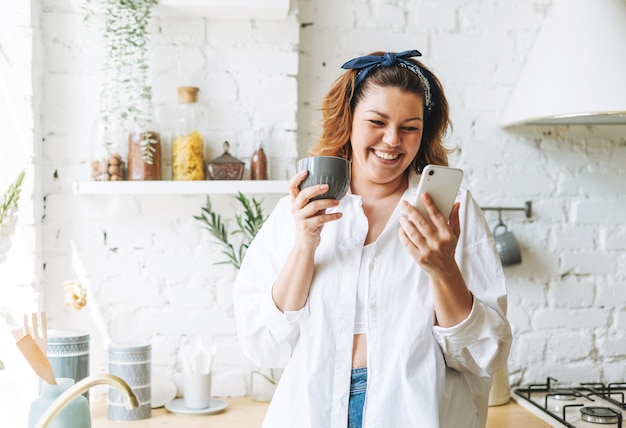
126,92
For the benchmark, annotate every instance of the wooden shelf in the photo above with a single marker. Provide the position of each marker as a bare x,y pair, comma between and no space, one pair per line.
207,187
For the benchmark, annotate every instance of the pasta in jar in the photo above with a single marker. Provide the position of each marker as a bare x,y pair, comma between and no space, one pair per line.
188,157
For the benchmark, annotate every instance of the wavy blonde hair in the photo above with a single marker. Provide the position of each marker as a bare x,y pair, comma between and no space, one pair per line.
339,103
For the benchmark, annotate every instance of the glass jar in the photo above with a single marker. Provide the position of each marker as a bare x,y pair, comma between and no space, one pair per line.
144,151
188,143
108,159
258,164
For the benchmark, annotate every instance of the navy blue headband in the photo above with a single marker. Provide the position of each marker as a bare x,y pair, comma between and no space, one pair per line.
367,63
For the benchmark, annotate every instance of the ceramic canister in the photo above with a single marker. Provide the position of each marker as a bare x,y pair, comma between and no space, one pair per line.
130,362
68,353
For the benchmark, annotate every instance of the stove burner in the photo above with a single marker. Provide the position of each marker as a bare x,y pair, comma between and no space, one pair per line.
599,415
563,394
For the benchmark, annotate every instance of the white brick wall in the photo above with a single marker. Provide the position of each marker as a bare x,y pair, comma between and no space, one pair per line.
153,277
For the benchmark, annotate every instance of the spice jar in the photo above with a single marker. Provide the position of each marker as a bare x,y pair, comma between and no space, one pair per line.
258,164
144,151
188,143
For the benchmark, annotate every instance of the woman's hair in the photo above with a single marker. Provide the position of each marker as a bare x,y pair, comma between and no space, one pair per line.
339,103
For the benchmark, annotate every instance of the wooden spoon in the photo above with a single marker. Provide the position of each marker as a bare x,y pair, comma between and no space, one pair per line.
36,358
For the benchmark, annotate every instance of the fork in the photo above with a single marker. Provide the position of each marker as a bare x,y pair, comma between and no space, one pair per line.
38,329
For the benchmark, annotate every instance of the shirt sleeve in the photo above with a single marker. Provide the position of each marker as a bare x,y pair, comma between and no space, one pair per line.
480,344
267,336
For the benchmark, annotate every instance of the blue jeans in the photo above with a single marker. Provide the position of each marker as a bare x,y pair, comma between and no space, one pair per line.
358,385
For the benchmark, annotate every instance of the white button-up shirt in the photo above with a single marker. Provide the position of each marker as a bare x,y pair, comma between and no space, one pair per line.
419,374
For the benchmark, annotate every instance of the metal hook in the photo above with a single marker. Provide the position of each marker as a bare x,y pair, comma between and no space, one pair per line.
527,210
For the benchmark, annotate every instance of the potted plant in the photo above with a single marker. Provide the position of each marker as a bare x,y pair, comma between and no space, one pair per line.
248,224
262,381
126,96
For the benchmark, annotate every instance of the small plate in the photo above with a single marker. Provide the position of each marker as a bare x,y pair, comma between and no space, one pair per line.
162,392
178,407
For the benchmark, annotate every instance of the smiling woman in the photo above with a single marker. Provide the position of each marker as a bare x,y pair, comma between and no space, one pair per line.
364,298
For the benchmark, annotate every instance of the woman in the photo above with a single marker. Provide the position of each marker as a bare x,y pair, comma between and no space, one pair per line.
380,316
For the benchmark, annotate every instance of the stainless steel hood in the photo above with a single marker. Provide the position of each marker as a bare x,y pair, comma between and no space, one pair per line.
576,71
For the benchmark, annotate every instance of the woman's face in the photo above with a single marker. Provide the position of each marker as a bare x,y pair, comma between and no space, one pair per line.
387,128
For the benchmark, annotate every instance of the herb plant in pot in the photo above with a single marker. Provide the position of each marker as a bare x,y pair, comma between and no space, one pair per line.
262,381
126,118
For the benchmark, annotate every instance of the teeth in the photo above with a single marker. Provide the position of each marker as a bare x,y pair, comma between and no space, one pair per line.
386,156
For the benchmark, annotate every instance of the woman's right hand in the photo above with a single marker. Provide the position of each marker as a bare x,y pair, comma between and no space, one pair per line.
310,216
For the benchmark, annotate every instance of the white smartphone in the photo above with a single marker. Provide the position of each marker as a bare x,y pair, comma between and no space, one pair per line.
442,184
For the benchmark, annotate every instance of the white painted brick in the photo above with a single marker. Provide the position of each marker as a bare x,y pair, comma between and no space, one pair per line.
470,45
613,346
589,263
609,293
614,238
620,320
566,372
613,211
185,61
572,294
518,317
613,369
576,237
178,31
527,350
579,346
433,17
525,292
381,15
254,61
569,318
277,33
228,33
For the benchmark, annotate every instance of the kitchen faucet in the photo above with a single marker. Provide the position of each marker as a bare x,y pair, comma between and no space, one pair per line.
75,390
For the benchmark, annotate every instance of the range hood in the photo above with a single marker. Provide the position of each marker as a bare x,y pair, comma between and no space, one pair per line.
575,74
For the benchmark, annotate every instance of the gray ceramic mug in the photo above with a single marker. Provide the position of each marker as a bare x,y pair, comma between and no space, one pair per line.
507,246
331,170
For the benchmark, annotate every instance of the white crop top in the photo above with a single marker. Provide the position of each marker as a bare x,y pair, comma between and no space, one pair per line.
360,321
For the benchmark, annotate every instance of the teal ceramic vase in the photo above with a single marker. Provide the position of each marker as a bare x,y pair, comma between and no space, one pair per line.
75,414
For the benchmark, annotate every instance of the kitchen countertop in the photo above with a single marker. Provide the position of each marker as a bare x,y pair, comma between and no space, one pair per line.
243,412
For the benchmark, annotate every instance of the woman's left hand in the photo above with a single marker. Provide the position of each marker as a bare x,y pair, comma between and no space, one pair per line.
431,240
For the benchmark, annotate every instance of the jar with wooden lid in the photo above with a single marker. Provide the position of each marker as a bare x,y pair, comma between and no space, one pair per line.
188,142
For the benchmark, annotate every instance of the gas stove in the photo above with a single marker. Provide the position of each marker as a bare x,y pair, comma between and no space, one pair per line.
585,405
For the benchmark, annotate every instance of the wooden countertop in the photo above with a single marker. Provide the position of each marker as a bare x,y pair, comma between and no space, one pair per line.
512,415
243,412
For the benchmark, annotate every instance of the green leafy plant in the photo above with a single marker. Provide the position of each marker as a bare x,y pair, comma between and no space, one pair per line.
126,92
8,209
11,198
248,224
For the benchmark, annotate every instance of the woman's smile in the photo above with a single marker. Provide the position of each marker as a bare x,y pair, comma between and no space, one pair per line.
387,156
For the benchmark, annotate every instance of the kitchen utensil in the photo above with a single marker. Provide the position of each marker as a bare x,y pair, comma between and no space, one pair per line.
36,358
38,330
